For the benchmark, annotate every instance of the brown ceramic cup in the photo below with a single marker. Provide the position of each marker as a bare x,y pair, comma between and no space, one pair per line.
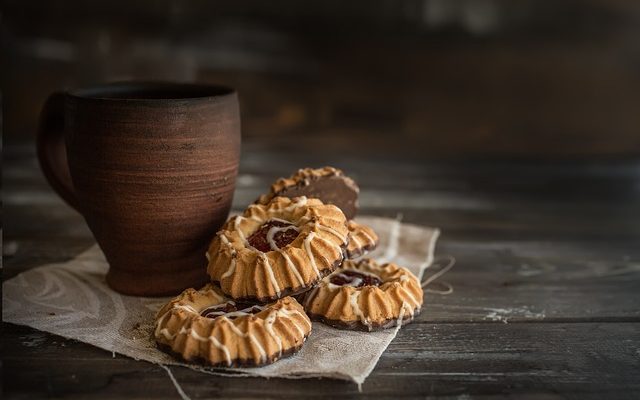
152,168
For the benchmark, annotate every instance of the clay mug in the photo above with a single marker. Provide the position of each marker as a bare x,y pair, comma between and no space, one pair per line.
152,168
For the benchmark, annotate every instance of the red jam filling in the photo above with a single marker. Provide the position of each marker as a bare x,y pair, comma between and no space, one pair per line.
280,237
353,278
222,309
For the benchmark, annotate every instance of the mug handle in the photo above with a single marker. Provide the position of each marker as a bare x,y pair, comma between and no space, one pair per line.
52,152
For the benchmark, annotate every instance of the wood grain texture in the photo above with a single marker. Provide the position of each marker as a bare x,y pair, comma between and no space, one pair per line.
570,360
546,286
456,78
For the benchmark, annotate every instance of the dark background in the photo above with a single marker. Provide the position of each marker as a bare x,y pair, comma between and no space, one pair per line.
431,78
512,125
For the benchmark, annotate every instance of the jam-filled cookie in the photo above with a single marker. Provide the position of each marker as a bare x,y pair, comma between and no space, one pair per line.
202,325
364,295
328,184
281,248
362,239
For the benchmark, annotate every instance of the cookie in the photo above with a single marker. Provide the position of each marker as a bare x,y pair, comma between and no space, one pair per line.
363,295
328,184
362,240
277,249
204,326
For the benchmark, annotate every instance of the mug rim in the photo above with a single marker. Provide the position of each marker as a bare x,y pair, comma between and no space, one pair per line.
184,91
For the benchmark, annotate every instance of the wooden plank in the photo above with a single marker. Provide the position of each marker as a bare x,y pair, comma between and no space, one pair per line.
410,184
577,360
268,162
549,249
471,201
499,223
515,281
518,260
503,281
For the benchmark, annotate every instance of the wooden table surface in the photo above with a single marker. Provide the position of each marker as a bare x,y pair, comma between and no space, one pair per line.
546,298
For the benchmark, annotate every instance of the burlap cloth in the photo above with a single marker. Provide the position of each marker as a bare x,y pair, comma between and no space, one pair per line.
72,300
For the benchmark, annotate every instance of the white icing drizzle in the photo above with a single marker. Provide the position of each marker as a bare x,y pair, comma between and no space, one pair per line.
185,307
307,247
356,280
159,324
355,283
406,306
232,265
241,313
409,301
401,316
222,347
409,296
353,300
212,339
268,325
269,269
292,267
219,306
337,247
354,239
331,230
234,329
365,234
293,322
263,354
208,256
236,226
230,271
237,313
165,332
276,229
302,201
225,240
289,315
279,220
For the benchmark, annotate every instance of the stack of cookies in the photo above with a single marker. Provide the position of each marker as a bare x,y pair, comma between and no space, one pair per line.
293,256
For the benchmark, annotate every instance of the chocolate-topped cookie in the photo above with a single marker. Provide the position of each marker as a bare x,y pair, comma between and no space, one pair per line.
362,239
365,295
282,248
205,326
328,184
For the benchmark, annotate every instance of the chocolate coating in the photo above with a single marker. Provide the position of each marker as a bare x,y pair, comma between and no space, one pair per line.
224,308
237,363
354,278
338,190
281,238
359,326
